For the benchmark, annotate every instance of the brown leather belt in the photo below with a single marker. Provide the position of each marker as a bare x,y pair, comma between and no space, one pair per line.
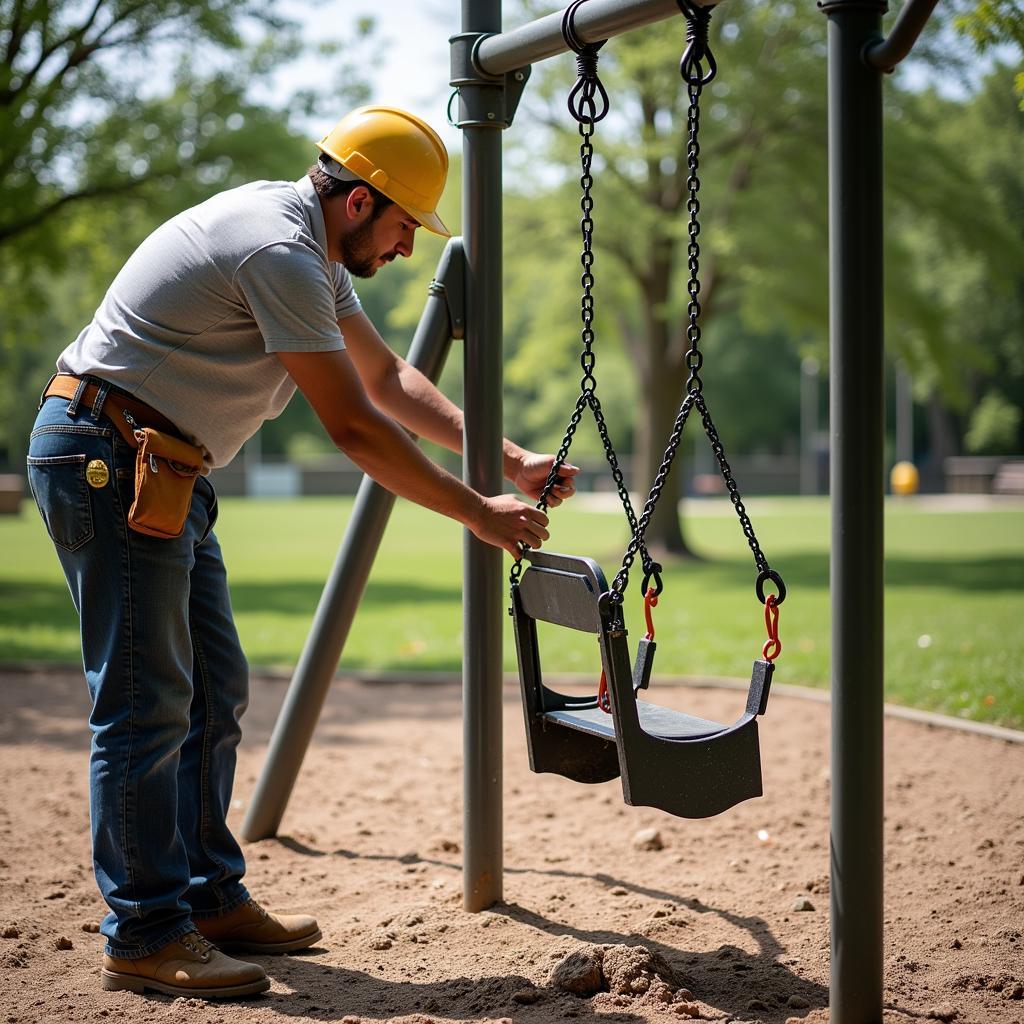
65,385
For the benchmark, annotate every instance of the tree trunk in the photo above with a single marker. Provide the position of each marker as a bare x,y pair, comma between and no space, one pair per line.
942,443
662,378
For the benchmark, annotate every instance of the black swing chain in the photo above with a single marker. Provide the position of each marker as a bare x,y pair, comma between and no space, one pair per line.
583,105
693,72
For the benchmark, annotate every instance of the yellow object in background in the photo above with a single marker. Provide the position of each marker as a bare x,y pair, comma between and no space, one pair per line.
904,478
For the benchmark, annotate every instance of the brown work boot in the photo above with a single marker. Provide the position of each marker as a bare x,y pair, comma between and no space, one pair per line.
189,966
251,929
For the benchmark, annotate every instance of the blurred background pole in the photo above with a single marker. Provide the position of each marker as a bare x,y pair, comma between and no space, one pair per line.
809,377
857,412
481,117
904,415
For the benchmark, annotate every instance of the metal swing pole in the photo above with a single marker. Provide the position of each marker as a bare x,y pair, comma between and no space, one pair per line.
490,68
481,118
857,56
857,417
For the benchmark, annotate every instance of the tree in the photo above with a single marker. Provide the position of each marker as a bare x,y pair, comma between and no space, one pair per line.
763,207
69,69
763,117
114,116
962,336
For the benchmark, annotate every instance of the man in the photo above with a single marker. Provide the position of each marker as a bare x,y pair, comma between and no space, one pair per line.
205,333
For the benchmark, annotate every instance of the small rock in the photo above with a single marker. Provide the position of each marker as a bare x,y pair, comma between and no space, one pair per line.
409,858
802,903
64,943
58,895
797,1003
11,932
648,839
351,1019
944,1013
956,944
1015,990
618,891
579,972
448,845
527,996
756,1006
90,926
381,943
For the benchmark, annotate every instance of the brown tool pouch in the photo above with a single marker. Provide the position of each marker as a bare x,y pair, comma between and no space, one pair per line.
165,473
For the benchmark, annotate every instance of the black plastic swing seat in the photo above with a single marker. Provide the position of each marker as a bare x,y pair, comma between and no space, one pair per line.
688,766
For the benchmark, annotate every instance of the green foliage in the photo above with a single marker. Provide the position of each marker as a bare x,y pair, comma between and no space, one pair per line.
995,425
114,117
78,117
954,254
991,24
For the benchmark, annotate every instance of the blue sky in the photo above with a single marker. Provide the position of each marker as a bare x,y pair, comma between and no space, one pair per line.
414,36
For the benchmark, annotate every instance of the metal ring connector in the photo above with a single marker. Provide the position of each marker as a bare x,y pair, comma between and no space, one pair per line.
655,573
763,577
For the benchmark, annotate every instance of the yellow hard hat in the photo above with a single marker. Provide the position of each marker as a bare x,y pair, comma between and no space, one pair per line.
398,154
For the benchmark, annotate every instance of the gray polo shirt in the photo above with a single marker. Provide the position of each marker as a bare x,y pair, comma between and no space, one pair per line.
191,322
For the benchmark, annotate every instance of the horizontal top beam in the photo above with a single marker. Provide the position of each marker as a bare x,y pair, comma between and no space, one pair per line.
595,20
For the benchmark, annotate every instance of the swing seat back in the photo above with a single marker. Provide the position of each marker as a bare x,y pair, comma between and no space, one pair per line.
688,766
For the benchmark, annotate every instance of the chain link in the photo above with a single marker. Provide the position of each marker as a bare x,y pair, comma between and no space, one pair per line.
695,76
584,107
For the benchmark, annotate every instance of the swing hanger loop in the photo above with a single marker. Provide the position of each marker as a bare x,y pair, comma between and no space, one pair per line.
697,50
583,99
652,572
770,576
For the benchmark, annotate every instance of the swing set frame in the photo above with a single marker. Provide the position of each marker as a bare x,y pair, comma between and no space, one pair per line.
490,69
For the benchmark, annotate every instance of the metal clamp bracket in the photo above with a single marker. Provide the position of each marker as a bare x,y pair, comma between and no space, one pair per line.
450,285
485,101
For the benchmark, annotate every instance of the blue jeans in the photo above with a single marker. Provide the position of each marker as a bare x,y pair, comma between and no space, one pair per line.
167,677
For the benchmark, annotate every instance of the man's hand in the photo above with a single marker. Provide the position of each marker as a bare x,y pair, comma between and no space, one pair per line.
531,471
506,522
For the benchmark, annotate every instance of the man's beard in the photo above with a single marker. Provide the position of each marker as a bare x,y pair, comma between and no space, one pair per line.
358,254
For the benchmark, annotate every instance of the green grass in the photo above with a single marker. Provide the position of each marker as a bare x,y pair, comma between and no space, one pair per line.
954,595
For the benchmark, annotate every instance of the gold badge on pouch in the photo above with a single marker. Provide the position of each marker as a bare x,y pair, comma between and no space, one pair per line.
97,473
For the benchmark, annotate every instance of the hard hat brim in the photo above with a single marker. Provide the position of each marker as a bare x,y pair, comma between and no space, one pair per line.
430,221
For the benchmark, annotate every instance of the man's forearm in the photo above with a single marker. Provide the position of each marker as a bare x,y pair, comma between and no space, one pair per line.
385,452
412,400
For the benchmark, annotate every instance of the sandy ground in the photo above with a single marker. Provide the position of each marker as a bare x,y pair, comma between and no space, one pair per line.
371,844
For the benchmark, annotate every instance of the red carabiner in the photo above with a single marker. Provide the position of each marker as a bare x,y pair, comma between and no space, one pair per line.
773,645
604,701
650,601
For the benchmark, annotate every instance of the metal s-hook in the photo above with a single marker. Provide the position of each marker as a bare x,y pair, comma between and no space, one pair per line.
697,49
582,101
